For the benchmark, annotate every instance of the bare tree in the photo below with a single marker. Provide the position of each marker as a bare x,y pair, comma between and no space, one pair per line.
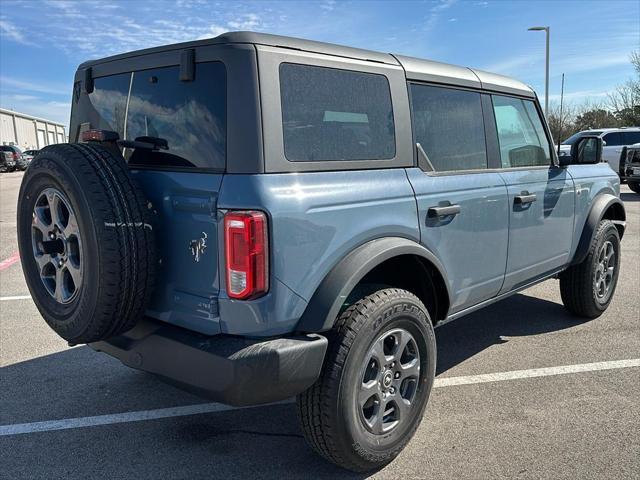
563,126
624,101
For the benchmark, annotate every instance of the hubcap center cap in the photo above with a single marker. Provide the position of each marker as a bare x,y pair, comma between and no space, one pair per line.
387,379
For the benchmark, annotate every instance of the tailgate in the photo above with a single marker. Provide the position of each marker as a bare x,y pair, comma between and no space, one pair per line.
187,284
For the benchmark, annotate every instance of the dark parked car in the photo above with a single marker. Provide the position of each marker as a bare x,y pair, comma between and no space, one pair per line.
630,166
256,217
9,158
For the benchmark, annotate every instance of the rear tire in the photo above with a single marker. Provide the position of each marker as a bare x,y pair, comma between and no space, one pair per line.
588,287
362,412
635,186
87,248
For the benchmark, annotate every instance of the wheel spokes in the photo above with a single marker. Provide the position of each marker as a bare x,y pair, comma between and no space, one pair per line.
389,381
56,243
410,369
74,273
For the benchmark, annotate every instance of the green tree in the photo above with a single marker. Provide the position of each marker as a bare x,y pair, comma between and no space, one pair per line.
596,118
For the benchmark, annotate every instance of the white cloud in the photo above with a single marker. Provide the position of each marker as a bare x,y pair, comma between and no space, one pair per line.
9,83
513,65
436,11
328,5
10,31
249,21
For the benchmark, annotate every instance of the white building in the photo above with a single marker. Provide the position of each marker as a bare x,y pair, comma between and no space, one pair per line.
27,132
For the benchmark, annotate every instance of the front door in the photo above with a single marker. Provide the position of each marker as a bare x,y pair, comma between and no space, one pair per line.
541,196
462,207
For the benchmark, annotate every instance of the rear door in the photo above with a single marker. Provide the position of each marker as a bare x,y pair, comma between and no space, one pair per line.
182,181
181,177
541,196
462,206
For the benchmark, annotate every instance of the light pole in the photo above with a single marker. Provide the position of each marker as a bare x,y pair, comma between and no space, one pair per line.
546,79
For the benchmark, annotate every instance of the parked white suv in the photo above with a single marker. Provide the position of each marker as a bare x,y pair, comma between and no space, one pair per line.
614,139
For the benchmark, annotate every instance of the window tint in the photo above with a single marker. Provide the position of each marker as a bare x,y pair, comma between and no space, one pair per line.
189,116
107,103
613,139
629,138
523,142
449,127
331,114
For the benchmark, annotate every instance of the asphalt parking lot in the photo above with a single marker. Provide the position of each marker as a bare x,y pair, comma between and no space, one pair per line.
524,390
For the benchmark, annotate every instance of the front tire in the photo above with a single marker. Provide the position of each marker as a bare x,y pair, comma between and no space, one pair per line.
635,186
375,383
588,287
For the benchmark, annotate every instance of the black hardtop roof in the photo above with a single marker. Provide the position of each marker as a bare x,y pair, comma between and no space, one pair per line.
260,39
416,69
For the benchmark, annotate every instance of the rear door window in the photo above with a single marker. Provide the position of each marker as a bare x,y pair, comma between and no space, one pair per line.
523,142
613,139
330,114
189,116
449,127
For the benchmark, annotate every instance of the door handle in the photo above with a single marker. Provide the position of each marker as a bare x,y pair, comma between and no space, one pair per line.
443,211
525,198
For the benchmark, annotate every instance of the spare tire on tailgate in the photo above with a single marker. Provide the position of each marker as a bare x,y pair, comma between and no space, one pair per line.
86,239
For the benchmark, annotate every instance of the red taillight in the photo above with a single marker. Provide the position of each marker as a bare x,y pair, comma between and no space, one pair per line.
246,253
99,136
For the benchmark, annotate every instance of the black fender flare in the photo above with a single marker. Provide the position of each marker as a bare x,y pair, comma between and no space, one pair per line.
599,207
326,302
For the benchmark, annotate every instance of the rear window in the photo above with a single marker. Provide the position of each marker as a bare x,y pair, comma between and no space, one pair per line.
189,116
107,103
331,115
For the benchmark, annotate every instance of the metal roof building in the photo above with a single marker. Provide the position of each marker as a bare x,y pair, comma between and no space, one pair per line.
29,132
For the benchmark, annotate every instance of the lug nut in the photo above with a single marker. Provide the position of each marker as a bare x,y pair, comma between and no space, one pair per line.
397,375
60,263
52,235
392,390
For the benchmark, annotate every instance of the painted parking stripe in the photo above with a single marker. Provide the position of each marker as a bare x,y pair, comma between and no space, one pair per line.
182,411
7,262
536,372
15,297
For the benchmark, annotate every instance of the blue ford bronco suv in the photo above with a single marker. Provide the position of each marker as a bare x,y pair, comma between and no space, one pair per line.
254,217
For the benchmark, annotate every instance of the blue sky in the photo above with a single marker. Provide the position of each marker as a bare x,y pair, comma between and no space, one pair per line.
42,41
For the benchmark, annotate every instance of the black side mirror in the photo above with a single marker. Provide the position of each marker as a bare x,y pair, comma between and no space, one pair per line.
587,150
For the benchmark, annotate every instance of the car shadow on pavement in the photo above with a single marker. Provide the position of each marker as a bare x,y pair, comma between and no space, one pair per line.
516,316
262,442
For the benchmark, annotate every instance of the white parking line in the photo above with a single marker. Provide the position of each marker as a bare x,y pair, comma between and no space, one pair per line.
536,372
15,297
138,416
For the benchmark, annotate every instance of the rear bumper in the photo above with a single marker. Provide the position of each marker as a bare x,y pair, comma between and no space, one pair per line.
231,370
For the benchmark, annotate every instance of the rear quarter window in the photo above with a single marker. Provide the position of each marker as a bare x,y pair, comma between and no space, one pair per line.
330,114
